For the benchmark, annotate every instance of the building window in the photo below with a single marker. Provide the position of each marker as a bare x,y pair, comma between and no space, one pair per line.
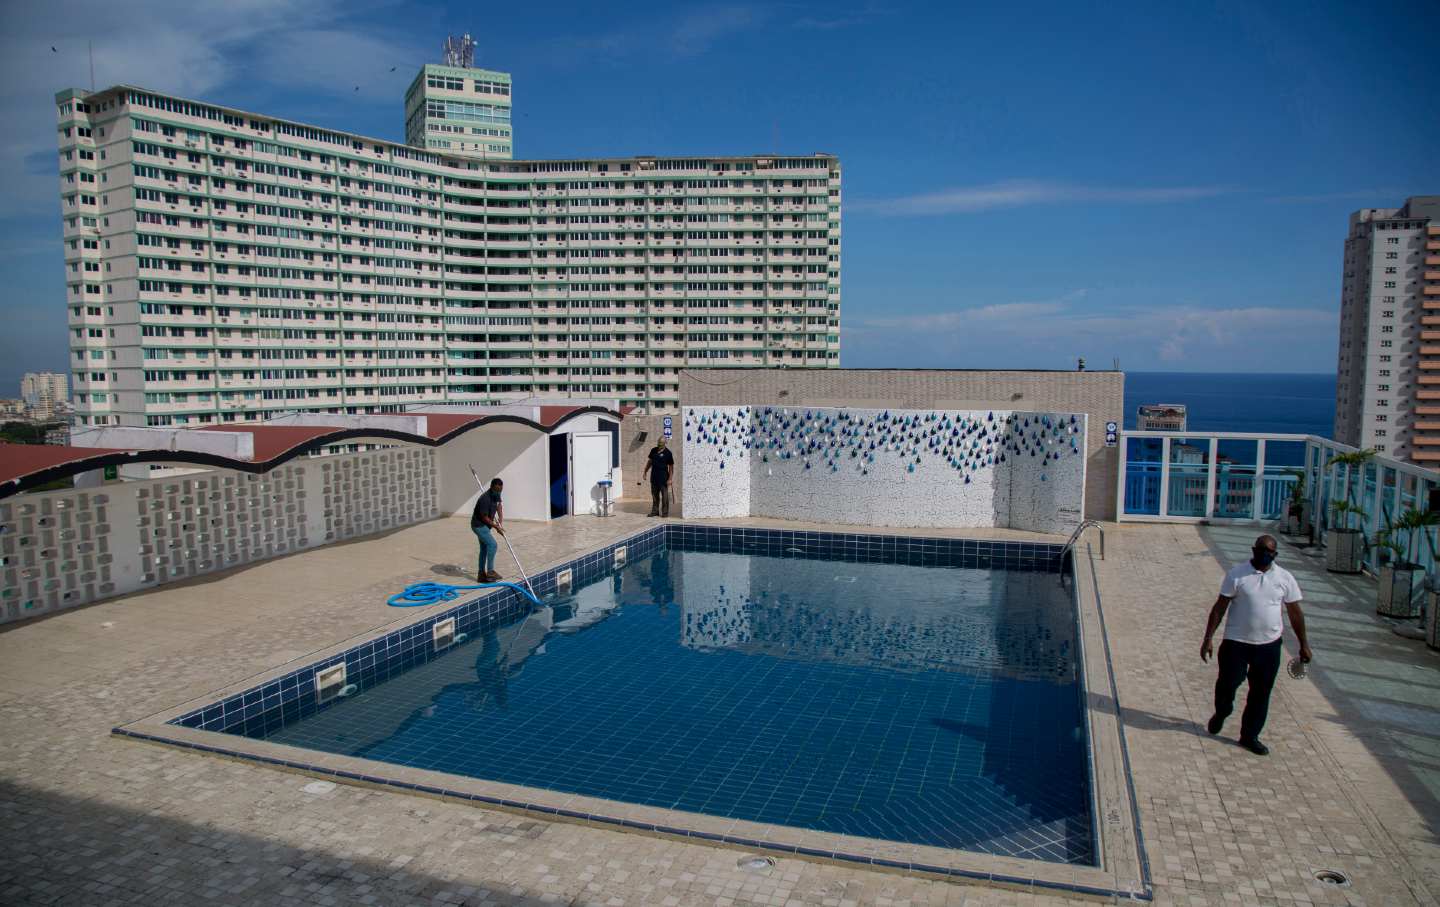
1391,256
1389,284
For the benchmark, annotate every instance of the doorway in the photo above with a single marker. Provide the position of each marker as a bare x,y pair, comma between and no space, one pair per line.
559,476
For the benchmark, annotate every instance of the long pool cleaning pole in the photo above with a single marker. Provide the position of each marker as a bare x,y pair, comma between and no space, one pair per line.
476,476
506,539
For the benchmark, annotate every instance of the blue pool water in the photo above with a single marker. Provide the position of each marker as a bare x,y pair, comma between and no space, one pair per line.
931,705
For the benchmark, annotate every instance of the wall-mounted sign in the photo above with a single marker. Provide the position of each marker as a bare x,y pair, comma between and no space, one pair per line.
667,426
1112,433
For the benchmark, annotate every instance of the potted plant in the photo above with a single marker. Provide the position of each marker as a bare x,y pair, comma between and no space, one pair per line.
1396,574
1345,543
1297,511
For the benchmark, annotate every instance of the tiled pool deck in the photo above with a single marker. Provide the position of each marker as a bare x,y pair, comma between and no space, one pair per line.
1353,782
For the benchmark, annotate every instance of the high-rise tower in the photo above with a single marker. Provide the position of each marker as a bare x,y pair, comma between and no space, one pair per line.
458,109
1387,392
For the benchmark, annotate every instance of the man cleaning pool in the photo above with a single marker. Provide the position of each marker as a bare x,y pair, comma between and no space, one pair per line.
1252,592
488,515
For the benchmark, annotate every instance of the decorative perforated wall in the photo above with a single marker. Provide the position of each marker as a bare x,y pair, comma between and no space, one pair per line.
55,553
196,524
61,549
377,490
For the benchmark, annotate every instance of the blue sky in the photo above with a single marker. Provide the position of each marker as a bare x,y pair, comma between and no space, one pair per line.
1163,183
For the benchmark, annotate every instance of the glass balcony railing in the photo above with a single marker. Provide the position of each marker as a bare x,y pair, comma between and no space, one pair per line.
1245,477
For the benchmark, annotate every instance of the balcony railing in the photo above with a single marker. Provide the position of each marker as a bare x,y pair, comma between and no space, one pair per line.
1238,477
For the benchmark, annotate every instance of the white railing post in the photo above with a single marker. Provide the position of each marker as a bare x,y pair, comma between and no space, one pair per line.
1398,504
1120,487
1377,507
1210,478
1258,494
1165,476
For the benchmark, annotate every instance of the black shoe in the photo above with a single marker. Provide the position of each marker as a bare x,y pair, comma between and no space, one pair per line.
652,513
1256,747
1215,724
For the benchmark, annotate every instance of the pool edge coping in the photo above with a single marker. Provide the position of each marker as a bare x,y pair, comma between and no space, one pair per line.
1117,844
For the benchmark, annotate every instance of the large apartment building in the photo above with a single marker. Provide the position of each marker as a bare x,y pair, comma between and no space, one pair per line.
224,266
1387,393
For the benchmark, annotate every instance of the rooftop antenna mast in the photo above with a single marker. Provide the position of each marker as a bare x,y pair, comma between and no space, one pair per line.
460,51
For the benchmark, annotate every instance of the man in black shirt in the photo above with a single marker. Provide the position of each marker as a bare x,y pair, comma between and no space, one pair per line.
660,466
488,515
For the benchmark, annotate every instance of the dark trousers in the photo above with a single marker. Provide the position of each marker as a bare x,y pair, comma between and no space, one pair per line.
1240,661
659,500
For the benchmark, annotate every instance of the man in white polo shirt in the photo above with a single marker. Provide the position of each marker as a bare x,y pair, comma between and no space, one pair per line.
1253,593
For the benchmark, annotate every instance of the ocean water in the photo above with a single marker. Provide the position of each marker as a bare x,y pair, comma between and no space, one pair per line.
1289,404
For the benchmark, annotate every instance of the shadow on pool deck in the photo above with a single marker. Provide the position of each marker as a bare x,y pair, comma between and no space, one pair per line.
1382,689
132,854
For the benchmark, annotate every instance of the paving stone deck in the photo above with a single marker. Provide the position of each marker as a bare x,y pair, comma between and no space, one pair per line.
1353,782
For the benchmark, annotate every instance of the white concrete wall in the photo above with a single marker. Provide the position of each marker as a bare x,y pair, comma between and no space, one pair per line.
514,453
819,465
1047,476
716,460
873,467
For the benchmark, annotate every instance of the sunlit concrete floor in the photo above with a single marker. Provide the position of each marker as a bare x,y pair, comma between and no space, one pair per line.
86,818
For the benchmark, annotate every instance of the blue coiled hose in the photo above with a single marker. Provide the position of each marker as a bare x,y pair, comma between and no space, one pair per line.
429,593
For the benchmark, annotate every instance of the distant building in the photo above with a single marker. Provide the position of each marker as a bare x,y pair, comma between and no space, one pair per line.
1388,334
44,393
1161,417
12,408
457,109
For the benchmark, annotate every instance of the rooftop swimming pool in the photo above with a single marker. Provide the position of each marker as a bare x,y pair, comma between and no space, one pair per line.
738,685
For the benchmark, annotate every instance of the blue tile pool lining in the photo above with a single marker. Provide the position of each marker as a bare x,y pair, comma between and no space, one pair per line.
292,696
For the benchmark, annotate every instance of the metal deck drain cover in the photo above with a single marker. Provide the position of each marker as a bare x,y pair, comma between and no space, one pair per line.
319,787
1332,877
755,864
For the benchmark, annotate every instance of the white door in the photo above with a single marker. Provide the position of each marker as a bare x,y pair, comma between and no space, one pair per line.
589,463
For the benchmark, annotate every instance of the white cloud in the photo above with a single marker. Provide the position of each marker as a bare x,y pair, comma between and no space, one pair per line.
188,48
840,19
998,314
1022,193
1032,333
